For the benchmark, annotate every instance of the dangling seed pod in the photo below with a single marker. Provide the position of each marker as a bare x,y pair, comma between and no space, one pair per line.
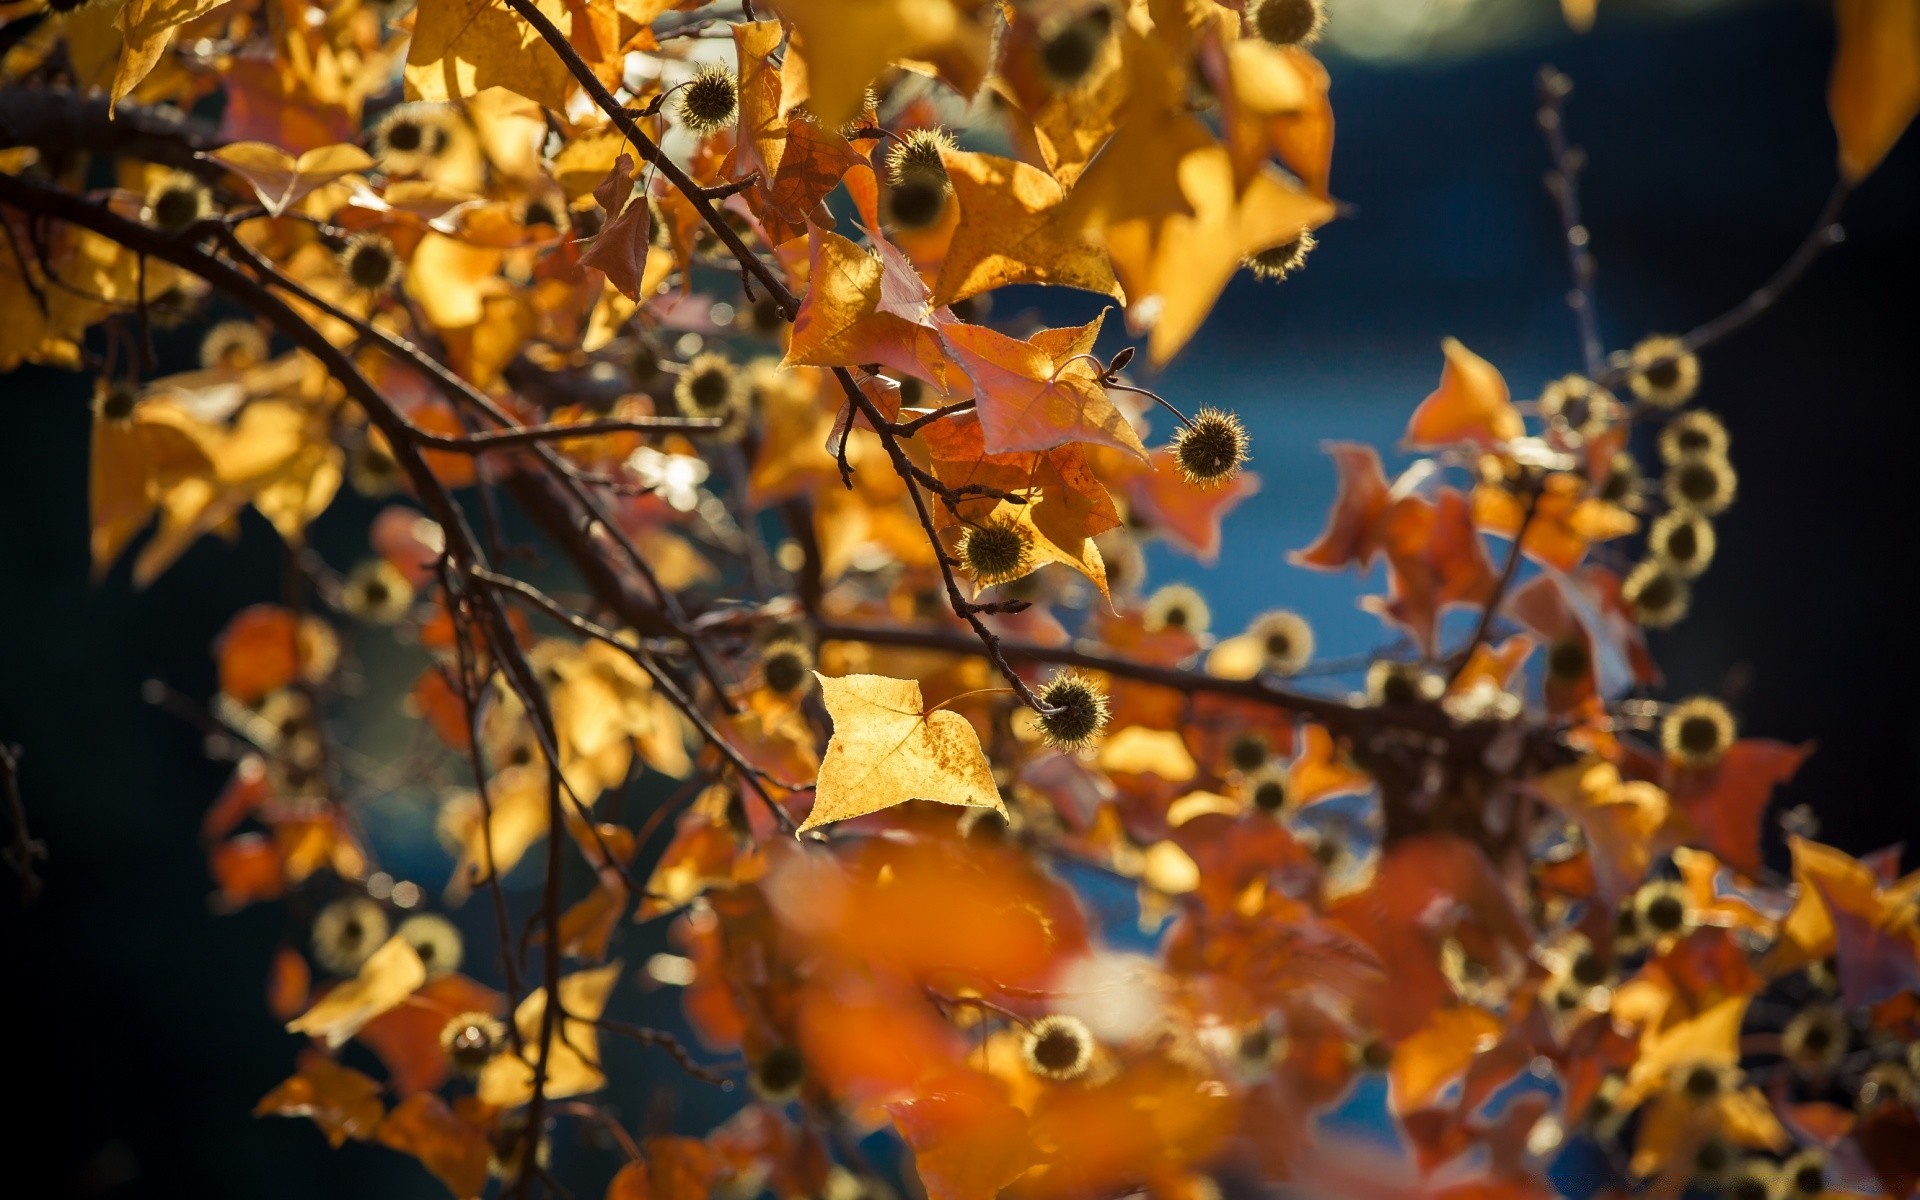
1068,52
1663,372
115,402
786,667
371,469
1662,908
471,1040
1684,541
1078,711
1696,434
710,387
1569,660
1288,22
916,202
1277,262
436,940
999,550
1394,684
1271,791
917,156
1815,1039
1706,484
1286,641
778,1074
346,932
370,262
1179,608
1697,732
1577,405
1058,1047
409,136
1656,594
1248,752
1622,483
1210,451
234,346
376,592
177,201
710,100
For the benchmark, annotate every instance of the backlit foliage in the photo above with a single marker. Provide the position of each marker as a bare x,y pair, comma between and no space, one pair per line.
699,299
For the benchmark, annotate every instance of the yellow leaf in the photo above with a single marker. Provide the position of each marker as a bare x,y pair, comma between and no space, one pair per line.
887,749
279,179
1136,750
1032,399
461,47
847,43
573,1059
1470,405
149,26
393,973
1875,90
1008,232
1058,528
1439,1053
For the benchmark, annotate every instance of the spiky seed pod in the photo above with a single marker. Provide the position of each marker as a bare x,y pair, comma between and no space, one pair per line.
1210,451
1277,262
1701,1082
1068,52
1271,790
1393,684
409,136
1696,434
1058,1047
1804,1176
371,469
177,201
1816,1037
115,402
1578,405
1697,732
763,317
997,551
346,932
1684,541
710,100
1077,710
1569,660
1663,372
1248,752
917,156
1889,1083
778,1074
1706,484
1286,641
1622,483
1661,907
1656,594
1288,22
375,591
370,262
916,202
234,345
709,387
1179,608
545,210
786,667
471,1040
436,940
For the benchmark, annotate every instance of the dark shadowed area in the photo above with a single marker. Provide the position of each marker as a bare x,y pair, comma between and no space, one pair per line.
137,1037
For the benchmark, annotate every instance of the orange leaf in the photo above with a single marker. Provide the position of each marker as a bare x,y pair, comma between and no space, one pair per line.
1352,535
1470,405
1875,89
1187,516
620,248
342,1102
1439,1053
407,1038
455,1152
967,1143
1719,808
1031,399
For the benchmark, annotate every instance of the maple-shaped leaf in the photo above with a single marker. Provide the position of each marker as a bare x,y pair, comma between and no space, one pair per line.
453,1151
1276,99
967,1142
1009,231
1437,1054
1186,515
1435,560
1842,910
1352,536
887,748
463,47
866,308
1621,820
1720,807
813,160
341,1101
281,180
390,975
1056,528
1031,399
672,1168
1079,502
763,127
407,1036
1470,405
1322,770
573,1061
1875,90
846,44
620,248
148,27
1565,521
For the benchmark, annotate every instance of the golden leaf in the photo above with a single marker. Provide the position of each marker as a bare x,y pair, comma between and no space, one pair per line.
279,179
573,1059
1031,399
1008,232
1470,405
461,47
1875,89
887,749
149,26
387,978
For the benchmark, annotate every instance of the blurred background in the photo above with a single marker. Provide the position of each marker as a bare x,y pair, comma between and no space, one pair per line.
137,1037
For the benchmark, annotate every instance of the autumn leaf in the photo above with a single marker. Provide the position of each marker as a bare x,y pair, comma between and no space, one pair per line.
1436,1055
463,47
341,1101
845,44
1720,808
393,973
1030,400
620,248
279,179
812,161
967,1143
149,26
1875,90
887,748
1470,405
573,1060
1009,231
454,1151
851,315
1187,515
1352,535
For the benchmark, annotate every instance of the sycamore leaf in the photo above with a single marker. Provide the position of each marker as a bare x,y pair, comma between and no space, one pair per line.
1276,99
393,973
1352,535
455,1152
149,26
281,180
1875,90
860,309
1435,560
1187,515
1030,400
846,44
1470,405
341,1101
620,248
1439,1053
763,127
887,749
462,47
813,160
967,1143
1008,232
573,1061
1720,808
